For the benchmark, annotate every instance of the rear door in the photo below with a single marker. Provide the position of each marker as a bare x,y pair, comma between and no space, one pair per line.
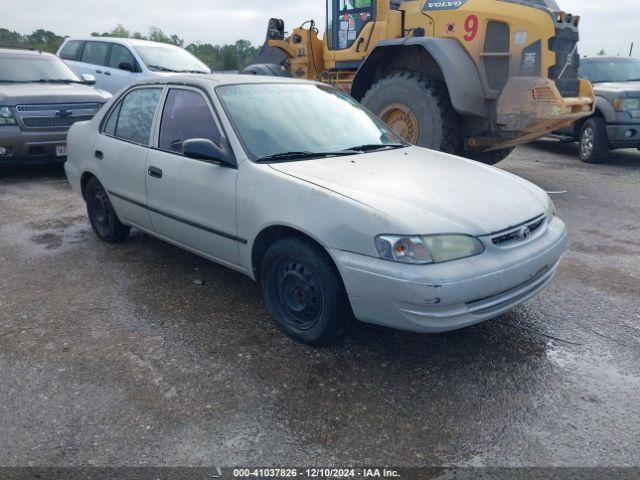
121,154
117,74
94,61
192,202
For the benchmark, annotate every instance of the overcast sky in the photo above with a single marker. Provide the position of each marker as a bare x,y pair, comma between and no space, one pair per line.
607,24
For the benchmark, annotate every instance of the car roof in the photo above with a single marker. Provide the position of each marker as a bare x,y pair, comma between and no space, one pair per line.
123,41
23,52
218,79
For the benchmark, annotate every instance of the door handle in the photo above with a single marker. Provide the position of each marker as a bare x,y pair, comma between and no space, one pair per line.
108,74
98,71
154,172
98,154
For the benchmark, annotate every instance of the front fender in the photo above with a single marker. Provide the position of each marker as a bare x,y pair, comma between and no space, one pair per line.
441,58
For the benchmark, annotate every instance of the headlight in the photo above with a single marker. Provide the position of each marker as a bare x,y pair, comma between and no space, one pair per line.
422,250
550,209
629,105
6,117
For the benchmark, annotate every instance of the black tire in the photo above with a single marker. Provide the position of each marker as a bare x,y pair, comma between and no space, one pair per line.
102,216
593,143
424,100
303,291
489,158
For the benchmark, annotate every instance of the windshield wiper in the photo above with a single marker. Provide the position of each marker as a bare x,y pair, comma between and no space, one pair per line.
162,69
377,146
191,71
292,156
53,80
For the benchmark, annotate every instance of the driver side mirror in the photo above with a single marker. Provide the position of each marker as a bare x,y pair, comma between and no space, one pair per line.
88,79
207,151
127,66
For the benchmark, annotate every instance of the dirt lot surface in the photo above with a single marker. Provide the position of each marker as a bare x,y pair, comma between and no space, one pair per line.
141,354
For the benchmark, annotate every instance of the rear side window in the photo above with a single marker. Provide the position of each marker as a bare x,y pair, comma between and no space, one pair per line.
135,115
95,53
186,115
120,54
71,50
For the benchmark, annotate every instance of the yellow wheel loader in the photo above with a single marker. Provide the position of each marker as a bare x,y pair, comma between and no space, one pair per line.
469,77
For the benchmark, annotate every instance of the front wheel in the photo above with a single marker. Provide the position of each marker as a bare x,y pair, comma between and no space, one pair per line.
593,141
417,108
102,216
303,291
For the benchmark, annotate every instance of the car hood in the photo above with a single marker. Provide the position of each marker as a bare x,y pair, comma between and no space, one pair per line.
29,93
617,87
427,192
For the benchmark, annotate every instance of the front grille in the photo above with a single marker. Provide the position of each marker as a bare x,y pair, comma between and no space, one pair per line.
543,94
55,115
57,107
564,46
53,122
519,234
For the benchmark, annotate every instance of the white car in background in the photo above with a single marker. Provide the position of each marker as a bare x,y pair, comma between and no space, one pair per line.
296,185
118,62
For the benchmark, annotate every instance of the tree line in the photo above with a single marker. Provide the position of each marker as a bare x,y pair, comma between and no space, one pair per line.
217,57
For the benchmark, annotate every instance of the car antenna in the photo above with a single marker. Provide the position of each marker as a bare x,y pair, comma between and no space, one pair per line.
631,51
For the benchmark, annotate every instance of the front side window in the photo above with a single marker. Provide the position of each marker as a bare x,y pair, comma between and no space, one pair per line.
71,50
95,53
186,116
270,119
120,54
136,114
34,68
167,58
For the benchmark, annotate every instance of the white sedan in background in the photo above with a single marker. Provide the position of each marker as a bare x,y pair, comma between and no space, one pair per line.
295,185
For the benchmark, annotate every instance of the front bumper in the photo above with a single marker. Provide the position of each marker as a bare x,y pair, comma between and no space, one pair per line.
530,108
454,295
624,136
31,148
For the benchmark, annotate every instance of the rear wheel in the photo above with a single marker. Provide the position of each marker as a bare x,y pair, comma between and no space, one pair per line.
303,291
102,216
593,142
417,108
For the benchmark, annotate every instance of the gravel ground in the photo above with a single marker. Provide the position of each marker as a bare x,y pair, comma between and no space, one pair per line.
141,354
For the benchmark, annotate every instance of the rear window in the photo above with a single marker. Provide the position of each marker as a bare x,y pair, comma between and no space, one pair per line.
71,50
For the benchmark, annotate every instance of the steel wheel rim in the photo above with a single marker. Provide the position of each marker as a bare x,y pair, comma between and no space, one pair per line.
587,142
402,120
299,293
101,212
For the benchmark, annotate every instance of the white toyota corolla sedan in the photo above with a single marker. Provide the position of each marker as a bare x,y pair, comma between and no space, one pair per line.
297,186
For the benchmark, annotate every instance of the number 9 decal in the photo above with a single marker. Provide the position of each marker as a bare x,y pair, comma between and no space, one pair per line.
471,28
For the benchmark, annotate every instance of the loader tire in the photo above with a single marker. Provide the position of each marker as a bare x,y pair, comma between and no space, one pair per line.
489,158
418,108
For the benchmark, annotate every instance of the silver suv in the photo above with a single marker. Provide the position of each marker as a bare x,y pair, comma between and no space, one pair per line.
40,98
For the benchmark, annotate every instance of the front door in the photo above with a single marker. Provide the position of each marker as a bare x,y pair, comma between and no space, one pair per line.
121,154
351,18
192,203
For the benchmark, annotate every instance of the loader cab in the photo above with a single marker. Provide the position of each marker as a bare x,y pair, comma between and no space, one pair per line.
346,21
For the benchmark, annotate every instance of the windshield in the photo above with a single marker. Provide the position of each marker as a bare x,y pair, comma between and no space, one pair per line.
614,70
34,68
274,119
166,58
